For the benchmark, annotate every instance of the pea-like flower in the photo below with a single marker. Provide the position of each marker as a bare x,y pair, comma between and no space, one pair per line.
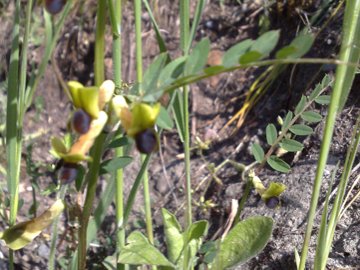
138,120
88,121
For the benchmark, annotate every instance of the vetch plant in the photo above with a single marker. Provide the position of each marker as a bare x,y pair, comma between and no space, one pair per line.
106,118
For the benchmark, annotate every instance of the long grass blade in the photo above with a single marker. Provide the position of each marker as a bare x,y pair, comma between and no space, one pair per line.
343,81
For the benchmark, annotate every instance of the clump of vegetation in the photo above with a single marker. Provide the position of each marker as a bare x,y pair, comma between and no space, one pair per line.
108,117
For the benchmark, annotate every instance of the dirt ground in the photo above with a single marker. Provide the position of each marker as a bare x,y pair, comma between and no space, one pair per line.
213,103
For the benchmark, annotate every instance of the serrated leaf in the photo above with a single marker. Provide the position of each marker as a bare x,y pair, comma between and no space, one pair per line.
323,99
249,57
311,116
285,52
198,57
301,105
173,235
164,120
291,145
139,251
271,134
257,152
301,130
287,120
243,242
266,42
278,164
232,56
112,165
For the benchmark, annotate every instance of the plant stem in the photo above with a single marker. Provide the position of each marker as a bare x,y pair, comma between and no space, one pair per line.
147,201
91,179
184,40
116,17
50,45
96,150
51,263
139,75
349,52
13,142
131,199
100,43
195,78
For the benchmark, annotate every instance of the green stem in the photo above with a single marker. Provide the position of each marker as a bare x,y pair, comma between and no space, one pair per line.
115,18
12,137
13,151
195,78
48,51
184,40
135,187
349,52
24,55
100,43
139,68
139,74
147,201
91,179
51,264
96,151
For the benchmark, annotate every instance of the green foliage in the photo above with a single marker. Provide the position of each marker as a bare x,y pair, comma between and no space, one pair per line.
139,251
196,61
231,56
278,164
291,145
258,152
164,120
311,116
243,242
301,130
286,139
323,100
243,53
173,235
114,164
271,134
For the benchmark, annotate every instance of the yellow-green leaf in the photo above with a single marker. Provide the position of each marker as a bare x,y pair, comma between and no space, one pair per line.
58,146
274,190
21,234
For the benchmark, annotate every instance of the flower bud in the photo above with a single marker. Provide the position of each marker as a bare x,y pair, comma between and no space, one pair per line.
81,121
272,202
147,141
54,6
68,173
